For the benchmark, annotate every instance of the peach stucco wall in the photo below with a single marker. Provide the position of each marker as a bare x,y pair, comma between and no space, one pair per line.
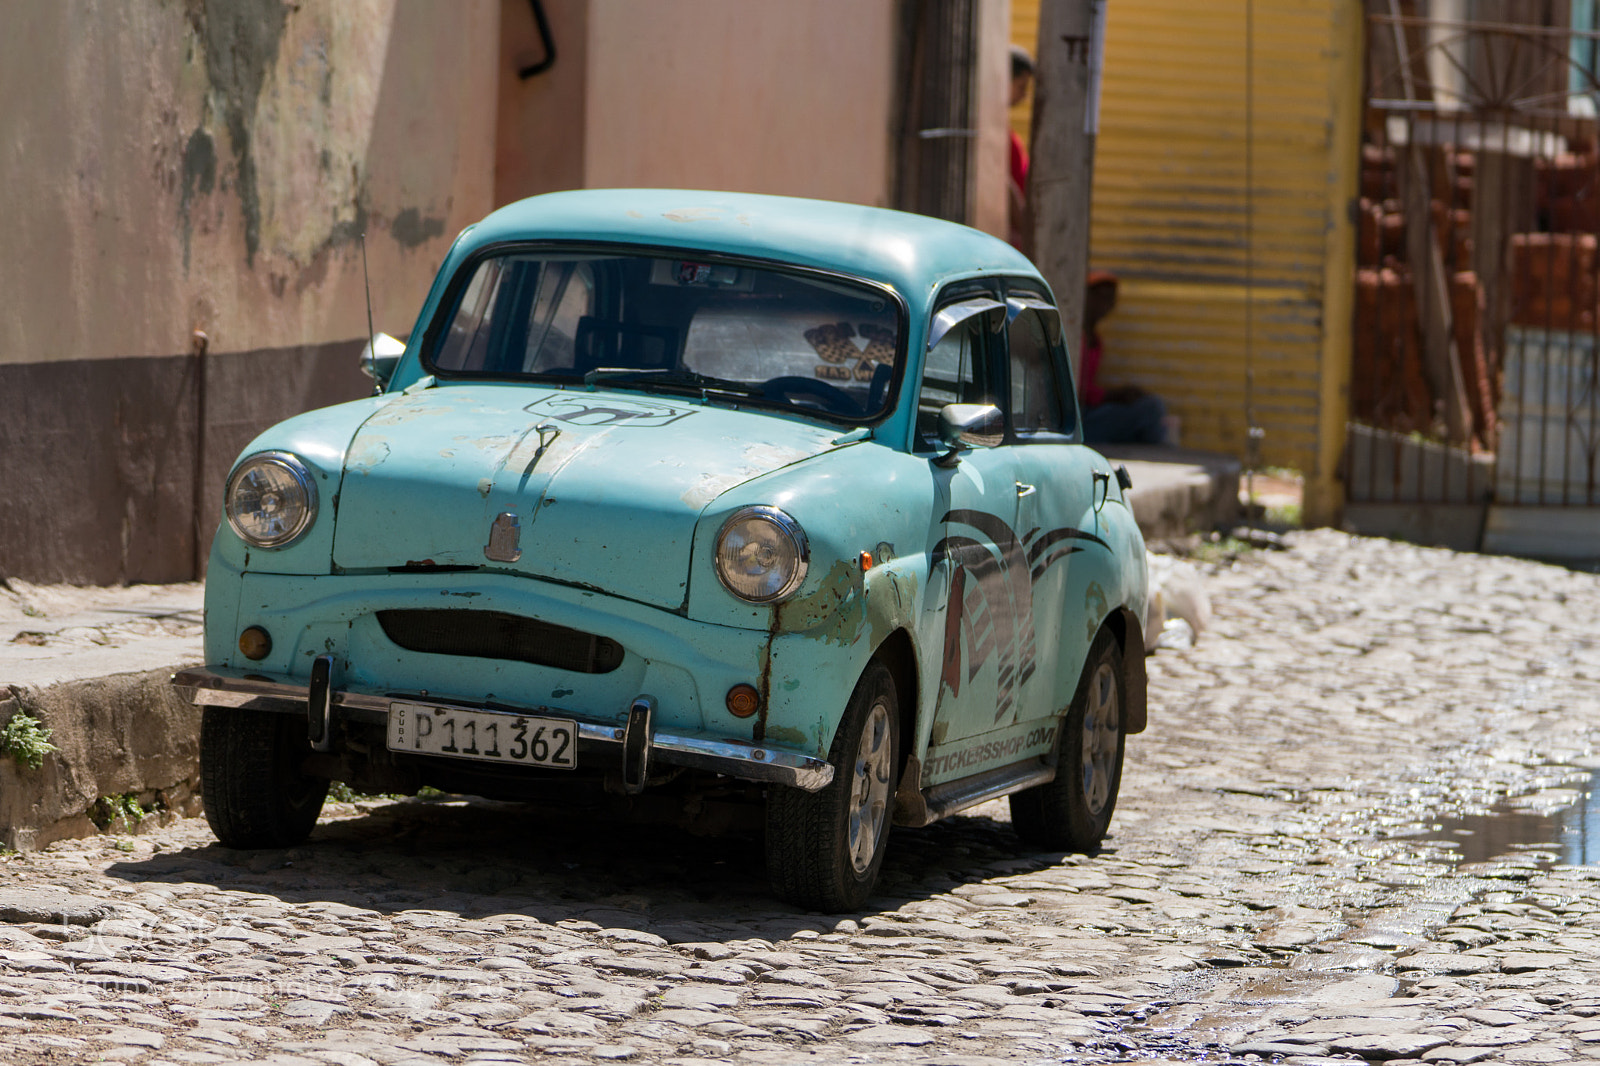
540,143
748,95
171,167
800,99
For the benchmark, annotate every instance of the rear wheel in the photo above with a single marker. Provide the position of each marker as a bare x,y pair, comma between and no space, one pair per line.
825,848
255,793
1073,812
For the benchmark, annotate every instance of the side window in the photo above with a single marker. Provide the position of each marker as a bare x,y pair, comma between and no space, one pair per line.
1037,365
517,315
466,343
563,296
960,368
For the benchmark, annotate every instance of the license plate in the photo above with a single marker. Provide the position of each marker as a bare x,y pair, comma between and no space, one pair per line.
491,736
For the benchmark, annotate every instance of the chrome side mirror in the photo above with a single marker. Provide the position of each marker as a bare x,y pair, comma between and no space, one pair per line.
380,356
969,425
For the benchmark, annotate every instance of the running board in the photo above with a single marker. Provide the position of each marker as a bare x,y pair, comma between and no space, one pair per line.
941,801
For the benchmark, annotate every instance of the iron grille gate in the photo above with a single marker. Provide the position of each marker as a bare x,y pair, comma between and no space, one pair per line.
1477,320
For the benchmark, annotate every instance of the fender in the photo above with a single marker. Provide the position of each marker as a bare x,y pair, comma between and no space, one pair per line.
853,615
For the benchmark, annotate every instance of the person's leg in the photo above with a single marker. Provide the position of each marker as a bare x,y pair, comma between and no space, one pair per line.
1148,417
1139,422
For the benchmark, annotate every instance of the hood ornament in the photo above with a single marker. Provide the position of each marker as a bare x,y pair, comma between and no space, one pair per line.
504,535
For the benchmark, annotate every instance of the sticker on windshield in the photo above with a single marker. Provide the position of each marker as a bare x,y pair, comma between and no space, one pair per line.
835,345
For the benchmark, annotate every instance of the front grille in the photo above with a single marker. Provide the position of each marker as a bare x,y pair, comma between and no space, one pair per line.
496,635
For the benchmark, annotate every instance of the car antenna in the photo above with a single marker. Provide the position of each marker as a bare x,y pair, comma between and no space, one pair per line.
366,284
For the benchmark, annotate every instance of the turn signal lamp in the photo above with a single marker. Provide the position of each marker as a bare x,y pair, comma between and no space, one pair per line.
255,643
743,701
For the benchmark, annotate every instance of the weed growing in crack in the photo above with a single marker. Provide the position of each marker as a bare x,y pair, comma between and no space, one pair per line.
25,741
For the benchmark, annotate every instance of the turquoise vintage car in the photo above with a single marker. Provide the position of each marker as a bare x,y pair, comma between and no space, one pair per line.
692,503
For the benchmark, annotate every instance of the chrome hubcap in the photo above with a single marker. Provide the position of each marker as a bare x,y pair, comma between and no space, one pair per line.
1102,726
869,787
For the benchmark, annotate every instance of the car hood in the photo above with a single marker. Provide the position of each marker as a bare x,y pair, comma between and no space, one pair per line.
606,486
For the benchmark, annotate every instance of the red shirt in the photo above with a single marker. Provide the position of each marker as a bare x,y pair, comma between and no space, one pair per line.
1019,163
1092,394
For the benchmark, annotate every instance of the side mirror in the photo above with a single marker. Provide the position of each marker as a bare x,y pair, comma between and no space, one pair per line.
969,425
380,356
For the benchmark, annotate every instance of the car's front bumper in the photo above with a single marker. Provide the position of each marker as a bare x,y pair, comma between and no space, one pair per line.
634,745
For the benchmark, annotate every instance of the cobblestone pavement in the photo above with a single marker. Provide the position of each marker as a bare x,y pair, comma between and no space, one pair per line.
1264,893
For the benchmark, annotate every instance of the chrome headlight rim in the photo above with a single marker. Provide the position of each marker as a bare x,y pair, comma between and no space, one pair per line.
789,528
297,470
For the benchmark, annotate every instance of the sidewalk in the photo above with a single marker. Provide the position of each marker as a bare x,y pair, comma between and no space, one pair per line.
1178,491
56,633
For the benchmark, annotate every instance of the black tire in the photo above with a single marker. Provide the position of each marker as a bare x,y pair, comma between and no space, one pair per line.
1073,812
255,794
824,849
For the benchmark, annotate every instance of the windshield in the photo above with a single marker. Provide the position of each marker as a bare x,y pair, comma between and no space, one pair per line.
817,345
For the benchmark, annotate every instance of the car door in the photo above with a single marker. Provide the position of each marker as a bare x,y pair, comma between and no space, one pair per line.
1060,483
987,614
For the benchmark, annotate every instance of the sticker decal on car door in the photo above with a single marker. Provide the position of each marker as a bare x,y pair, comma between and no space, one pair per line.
991,598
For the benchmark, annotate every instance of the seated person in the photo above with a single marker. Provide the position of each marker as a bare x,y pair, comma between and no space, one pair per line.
1124,414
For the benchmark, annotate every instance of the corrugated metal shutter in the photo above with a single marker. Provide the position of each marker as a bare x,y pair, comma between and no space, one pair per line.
1170,212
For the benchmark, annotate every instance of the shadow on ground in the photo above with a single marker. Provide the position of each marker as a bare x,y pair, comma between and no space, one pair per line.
477,858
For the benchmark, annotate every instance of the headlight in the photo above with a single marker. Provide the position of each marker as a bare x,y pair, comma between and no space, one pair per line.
761,554
271,499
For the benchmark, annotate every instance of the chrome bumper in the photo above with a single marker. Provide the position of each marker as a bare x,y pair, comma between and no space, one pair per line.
637,744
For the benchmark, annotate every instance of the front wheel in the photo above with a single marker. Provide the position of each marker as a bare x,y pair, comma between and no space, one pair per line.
825,848
255,793
1073,812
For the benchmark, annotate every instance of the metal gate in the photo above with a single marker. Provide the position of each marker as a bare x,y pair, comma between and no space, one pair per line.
1473,399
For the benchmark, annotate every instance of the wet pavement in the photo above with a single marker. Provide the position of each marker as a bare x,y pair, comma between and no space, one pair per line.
1342,838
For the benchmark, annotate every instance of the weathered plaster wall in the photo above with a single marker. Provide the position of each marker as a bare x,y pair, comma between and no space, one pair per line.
209,165
789,98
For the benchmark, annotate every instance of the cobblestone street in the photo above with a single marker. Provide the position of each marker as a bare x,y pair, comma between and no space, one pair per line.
1272,887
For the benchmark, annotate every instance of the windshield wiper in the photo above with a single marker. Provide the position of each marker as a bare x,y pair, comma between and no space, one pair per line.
665,377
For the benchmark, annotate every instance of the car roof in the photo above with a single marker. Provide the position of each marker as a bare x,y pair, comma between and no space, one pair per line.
914,253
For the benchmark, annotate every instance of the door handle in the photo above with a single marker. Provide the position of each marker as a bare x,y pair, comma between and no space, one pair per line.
1102,489
1025,490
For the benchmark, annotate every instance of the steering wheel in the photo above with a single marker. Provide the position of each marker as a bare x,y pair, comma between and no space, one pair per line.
820,393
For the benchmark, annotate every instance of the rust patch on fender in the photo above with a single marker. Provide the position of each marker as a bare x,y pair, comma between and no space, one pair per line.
1095,607
758,731
788,735
831,600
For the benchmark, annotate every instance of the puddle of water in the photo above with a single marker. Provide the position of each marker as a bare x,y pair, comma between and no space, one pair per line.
1350,969
1573,832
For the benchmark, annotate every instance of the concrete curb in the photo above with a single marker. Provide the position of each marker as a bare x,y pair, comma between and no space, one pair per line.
1179,492
127,735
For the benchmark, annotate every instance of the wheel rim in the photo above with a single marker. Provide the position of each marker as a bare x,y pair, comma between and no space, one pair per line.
869,787
1102,728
